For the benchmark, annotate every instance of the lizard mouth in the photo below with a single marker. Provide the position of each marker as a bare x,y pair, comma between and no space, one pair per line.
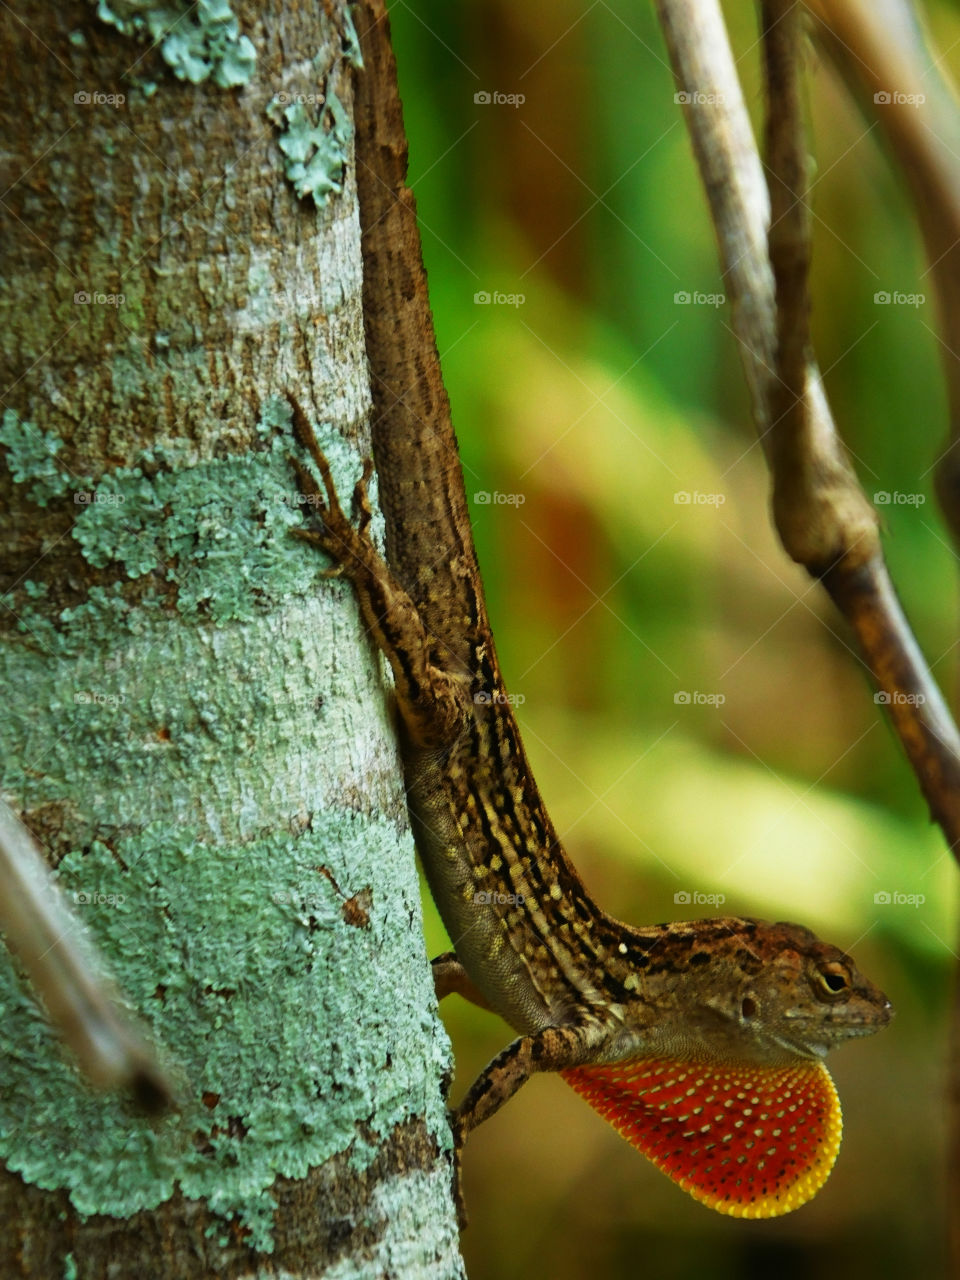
801,1047
824,1036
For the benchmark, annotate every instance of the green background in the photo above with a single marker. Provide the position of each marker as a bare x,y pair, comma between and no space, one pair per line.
591,405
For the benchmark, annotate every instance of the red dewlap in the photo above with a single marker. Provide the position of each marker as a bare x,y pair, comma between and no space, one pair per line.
754,1142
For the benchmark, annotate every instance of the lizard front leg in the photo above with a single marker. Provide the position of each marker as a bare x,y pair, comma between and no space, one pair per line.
432,698
551,1049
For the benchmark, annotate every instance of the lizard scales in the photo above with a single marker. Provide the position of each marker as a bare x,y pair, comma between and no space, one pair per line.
702,1042
430,550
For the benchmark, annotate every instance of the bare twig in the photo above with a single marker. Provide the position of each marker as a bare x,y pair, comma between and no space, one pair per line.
59,960
788,238
732,175
880,48
824,520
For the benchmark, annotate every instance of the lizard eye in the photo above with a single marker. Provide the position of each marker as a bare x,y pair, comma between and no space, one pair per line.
834,979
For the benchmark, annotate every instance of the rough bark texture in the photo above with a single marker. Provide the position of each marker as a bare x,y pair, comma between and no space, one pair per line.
193,726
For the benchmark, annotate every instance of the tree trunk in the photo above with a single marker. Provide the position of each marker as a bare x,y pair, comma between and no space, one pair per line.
194,726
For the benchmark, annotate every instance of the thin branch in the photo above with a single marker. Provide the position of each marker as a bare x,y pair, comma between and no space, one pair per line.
881,50
40,929
730,168
824,520
788,238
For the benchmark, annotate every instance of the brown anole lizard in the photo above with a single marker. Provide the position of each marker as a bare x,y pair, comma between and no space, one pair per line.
703,1041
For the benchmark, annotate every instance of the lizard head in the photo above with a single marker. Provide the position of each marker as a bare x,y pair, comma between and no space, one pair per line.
718,1077
772,993
738,990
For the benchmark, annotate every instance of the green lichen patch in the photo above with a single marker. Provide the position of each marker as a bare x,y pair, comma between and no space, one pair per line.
120,523
316,153
218,530
198,41
102,616
197,717
223,815
275,418
32,458
266,1002
351,42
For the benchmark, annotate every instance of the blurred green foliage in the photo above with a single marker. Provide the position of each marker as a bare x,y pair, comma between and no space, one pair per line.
594,405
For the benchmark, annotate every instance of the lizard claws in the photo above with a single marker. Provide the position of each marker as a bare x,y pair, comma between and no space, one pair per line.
338,538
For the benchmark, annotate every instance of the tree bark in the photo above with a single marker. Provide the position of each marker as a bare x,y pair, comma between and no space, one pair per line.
194,727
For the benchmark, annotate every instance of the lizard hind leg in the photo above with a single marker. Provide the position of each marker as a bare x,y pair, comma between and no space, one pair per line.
450,976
